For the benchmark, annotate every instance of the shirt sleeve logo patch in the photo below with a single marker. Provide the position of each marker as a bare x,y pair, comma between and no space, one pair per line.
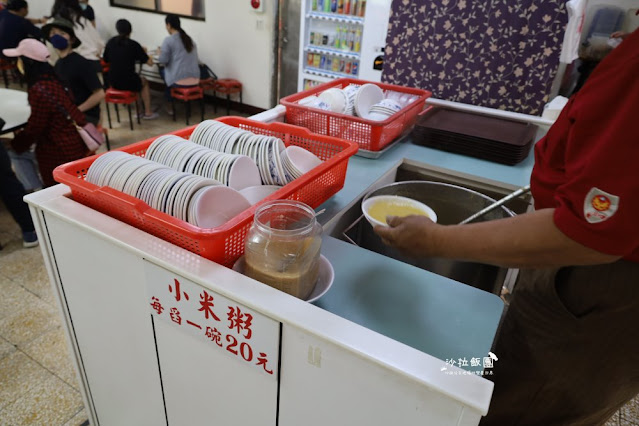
599,205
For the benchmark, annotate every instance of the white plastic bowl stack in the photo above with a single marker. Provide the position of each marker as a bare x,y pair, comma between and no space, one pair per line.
367,101
383,109
197,200
236,171
266,151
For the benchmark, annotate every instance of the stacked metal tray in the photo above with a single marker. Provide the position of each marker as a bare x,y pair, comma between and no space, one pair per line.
494,139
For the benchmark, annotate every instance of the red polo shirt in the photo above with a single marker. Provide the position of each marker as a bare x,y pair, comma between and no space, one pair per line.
587,166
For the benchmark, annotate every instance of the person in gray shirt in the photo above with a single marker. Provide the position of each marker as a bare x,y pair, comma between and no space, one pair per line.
178,57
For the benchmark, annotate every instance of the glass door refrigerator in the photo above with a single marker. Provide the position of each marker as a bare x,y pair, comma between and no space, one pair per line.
342,38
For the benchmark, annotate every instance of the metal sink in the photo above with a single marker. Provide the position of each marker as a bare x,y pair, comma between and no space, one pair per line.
461,189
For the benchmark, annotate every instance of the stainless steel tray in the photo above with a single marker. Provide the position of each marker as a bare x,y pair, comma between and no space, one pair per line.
376,154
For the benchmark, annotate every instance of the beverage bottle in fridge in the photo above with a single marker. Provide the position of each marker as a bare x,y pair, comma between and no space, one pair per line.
335,65
347,68
327,5
312,38
362,8
333,6
342,65
322,62
314,5
354,7
355,68
316,60
329,63
358,40
324,39
344,41
309,59
347,7
351,40
340,6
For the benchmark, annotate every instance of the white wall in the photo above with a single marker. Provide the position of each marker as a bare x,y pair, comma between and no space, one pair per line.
233,40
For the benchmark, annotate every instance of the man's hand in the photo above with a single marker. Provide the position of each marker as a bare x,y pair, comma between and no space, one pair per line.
619,34
408,234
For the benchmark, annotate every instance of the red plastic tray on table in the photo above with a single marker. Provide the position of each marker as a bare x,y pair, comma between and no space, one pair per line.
368,134
223,244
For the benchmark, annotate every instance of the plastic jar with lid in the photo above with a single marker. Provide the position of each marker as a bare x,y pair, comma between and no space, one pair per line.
283,247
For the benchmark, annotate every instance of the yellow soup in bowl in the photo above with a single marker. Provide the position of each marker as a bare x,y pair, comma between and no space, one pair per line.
377,209
381,209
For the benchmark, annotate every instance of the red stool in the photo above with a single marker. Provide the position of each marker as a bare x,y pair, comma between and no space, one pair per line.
228,87
105,66
126,97
187,94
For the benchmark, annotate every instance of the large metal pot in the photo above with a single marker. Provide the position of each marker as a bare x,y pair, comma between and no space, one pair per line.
452,204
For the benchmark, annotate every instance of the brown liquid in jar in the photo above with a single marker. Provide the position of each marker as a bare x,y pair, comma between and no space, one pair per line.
296,283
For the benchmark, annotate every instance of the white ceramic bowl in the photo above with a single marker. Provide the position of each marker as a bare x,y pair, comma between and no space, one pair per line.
257,193
335,98
367,96
302,159
394,199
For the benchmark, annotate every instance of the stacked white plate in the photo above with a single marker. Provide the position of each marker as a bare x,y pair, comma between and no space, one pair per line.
236,171
197,200
266,151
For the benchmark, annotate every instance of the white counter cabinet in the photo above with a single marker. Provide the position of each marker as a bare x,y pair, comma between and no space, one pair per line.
298,365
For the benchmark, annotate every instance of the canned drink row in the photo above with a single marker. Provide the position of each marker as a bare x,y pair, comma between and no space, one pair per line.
332,63
340,7
345,37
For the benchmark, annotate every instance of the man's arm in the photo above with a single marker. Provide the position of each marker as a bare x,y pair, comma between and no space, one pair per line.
524,241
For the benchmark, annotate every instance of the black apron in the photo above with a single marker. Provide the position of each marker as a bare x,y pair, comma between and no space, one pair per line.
568,348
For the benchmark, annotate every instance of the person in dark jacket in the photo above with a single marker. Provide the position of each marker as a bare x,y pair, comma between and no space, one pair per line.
74,70
14,26
51,125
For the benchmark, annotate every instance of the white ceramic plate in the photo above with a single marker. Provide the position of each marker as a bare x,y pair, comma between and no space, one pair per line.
244,173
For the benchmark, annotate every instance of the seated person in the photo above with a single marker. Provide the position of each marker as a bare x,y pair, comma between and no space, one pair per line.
121,54
14,26
178,57
75,71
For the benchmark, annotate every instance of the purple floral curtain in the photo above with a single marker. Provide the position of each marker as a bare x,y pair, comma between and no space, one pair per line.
497,53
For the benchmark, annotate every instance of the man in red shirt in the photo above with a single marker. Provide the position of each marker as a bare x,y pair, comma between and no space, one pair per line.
569,345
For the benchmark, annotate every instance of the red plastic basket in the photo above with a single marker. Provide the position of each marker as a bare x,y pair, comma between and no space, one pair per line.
224,244
369,135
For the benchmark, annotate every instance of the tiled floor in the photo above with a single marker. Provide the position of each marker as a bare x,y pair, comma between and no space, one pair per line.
38,384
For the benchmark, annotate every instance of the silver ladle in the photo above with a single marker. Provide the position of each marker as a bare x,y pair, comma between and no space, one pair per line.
496,204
